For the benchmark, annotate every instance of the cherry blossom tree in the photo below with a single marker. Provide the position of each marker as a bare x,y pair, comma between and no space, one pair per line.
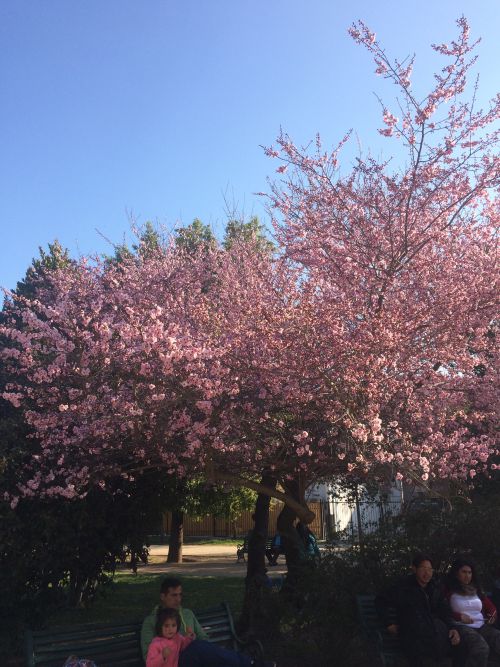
403,262
365,343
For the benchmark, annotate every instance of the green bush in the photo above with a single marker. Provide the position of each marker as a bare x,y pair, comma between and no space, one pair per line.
316,622
57,553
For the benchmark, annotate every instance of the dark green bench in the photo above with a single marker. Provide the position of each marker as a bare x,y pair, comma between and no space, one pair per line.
383,646
118,644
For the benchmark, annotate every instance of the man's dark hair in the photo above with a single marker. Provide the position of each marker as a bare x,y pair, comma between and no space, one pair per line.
418,559
164,614
169,582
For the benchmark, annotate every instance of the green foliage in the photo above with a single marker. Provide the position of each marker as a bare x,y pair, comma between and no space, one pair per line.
317,619
248,232
218,500
57,257
197,498
122,254
56,552
150,242
195,236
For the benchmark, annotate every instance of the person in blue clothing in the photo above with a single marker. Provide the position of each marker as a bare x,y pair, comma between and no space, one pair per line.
308,541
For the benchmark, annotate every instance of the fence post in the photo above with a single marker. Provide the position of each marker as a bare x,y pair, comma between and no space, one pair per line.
358,515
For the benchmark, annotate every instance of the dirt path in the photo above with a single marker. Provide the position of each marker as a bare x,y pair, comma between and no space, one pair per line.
202,560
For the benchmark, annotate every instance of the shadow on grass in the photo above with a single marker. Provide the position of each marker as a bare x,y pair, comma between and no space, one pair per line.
131,597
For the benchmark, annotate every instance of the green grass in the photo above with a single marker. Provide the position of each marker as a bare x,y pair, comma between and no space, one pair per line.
132,597
158,540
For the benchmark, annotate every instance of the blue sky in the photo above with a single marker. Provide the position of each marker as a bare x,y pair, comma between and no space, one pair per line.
157,108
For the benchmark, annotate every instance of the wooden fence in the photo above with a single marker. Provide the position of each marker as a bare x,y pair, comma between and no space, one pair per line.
211,526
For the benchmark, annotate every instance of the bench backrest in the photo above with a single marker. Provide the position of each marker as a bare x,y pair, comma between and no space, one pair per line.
108,645
383,644
114,644
218,624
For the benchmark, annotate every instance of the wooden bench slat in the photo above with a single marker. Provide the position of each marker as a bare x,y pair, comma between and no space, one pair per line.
117,644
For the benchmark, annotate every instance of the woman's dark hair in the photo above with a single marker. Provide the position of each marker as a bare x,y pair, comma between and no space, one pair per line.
452,578
164,614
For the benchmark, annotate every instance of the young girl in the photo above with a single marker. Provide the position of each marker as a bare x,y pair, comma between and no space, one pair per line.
165,648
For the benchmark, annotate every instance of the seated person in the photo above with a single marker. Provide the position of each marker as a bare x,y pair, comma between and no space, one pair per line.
200,652
166,646
474,613
275,550
425,623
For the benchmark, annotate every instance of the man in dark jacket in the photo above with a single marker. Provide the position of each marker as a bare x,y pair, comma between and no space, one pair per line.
424,619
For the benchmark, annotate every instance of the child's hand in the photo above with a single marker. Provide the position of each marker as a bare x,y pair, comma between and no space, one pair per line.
166,652
190,633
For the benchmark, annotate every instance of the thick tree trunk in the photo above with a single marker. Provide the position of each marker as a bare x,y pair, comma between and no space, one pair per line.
256,566
176,538
293,546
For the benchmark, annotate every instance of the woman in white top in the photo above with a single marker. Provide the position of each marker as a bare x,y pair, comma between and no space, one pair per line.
473,612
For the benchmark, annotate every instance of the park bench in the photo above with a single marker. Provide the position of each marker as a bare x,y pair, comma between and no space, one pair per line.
119,644
384,646
242,549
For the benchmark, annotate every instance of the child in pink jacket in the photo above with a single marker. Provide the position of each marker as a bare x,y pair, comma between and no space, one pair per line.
165,648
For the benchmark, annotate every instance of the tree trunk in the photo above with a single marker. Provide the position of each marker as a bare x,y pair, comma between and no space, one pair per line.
256,565
292,544
176,538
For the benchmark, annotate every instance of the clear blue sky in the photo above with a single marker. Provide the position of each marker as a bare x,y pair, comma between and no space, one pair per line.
158,107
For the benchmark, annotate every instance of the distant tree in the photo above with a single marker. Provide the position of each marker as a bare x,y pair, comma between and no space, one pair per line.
55,258
196,498
149,243
195,236
251,231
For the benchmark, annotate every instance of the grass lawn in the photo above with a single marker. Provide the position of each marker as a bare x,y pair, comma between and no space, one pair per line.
230,541
132,597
